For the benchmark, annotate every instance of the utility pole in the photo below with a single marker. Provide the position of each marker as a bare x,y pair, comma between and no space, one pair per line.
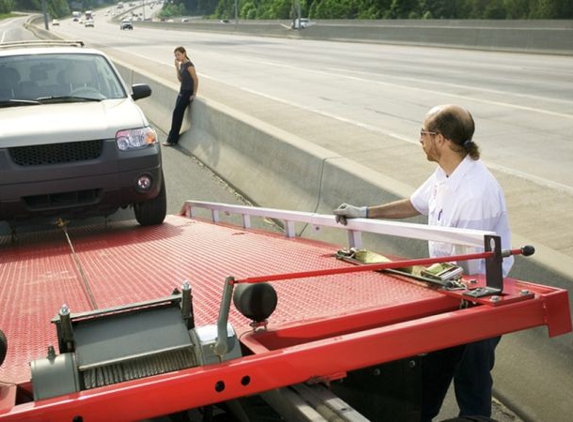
236,13
45,12
297,14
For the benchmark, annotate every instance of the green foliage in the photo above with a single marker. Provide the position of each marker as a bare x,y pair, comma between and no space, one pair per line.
495,10
444,9
188,8
550,9
172,9
402,9
516,9
225,9
58,8
405,9
28,5
6,6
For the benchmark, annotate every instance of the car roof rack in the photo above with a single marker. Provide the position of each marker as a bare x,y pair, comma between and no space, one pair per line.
42,43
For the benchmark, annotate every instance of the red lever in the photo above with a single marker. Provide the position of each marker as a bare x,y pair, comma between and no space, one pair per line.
525,251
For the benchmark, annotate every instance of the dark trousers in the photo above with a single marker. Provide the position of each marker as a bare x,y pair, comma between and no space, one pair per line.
438,369
470,367
183,100
472,380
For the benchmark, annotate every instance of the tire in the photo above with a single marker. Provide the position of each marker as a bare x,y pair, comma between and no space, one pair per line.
3,347
152,211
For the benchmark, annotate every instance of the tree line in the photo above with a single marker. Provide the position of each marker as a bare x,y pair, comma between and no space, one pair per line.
333,9
381,9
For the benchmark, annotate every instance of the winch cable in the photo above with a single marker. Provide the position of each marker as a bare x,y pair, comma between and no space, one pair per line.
62,224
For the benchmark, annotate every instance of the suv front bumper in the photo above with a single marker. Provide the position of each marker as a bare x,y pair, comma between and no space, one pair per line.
94,186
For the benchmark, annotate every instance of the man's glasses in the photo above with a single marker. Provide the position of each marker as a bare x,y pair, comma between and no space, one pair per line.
427,132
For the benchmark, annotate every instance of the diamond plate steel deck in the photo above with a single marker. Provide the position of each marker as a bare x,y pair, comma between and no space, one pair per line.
125,263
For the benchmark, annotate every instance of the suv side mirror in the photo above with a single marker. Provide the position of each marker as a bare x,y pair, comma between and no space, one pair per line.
140,91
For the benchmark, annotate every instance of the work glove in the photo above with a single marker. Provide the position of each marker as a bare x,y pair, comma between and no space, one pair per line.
345,211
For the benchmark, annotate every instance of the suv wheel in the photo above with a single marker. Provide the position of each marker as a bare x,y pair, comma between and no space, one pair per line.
3,347
153,211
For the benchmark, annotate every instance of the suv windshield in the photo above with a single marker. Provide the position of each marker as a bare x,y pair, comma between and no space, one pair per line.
57,77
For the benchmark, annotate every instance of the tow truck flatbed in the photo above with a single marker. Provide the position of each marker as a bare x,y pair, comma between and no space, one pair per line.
324,325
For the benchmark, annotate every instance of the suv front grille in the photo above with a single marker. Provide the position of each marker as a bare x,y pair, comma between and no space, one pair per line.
64,199
40,155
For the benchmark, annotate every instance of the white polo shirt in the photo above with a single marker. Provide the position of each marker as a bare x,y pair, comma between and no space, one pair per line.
469,198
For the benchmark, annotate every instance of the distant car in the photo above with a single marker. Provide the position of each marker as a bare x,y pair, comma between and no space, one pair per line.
90,23
301,23
55,22
125,24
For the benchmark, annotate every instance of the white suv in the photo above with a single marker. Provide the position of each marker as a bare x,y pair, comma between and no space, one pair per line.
125,24
73,143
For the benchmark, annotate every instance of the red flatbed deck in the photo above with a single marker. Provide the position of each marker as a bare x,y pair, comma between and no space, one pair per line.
319,321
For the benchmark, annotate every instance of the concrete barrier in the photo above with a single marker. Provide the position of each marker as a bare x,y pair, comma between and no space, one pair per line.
532,36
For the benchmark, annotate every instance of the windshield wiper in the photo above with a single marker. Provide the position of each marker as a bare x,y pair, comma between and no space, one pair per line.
17,102
65,99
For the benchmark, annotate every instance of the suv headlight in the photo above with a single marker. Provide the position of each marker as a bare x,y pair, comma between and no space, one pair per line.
135,138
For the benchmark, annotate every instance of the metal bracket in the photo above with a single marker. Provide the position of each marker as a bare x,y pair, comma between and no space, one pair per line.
493,270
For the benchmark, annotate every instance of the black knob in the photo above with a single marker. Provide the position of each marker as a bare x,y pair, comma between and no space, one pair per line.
255,301
527,250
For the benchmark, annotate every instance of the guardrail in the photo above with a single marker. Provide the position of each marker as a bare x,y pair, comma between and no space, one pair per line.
457,236
463,240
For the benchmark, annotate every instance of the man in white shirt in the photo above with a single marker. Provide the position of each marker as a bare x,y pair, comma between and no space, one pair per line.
460,193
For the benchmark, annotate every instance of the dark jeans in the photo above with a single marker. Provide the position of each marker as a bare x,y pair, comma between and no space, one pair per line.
472,380
437,372
183,100
470,367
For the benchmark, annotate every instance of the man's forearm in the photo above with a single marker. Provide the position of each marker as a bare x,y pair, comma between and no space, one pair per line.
398,209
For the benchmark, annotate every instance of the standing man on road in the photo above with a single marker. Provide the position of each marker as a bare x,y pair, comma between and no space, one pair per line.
460,193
